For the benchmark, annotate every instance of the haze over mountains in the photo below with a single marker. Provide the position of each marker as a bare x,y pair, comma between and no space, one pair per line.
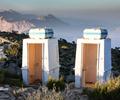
11,20
67,28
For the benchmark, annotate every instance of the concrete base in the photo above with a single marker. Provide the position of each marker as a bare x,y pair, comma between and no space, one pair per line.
25,75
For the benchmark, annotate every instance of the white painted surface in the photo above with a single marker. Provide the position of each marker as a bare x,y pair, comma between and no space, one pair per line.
78,64
41,33
103,60
95,33
25,75
50,59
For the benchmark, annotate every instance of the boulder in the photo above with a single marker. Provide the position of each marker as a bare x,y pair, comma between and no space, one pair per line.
14,69
5,93
11,67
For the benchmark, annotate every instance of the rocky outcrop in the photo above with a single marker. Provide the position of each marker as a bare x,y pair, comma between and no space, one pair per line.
11,20
18,26
6,93
2,55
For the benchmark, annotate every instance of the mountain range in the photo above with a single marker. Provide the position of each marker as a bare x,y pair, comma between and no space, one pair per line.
11,20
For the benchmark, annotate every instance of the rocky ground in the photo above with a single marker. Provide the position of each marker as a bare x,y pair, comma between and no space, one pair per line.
34,93
6,93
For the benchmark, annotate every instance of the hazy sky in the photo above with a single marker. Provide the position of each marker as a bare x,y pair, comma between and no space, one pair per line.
61,7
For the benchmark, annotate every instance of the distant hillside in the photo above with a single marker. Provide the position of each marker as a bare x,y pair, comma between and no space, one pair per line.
11,20
19,26
12,15
48,21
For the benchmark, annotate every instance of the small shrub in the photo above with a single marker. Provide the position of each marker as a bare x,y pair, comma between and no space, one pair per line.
109,90
3,59
57,84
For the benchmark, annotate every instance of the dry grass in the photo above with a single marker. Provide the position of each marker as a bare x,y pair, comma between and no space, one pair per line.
43,93
109,90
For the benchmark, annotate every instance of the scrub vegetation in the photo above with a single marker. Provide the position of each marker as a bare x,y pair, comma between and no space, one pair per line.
109,90
67,50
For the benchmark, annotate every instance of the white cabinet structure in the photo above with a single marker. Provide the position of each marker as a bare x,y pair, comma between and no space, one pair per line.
40,59
93,61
